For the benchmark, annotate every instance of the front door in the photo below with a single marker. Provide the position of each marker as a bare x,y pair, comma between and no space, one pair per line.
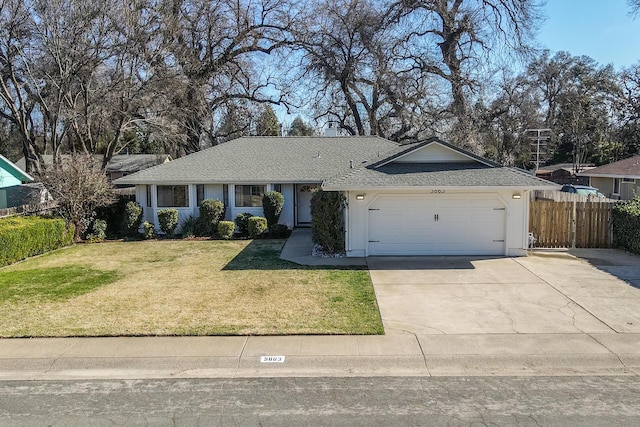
304,194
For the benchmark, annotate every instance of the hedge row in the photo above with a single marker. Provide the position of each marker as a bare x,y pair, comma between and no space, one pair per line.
22,237
626,225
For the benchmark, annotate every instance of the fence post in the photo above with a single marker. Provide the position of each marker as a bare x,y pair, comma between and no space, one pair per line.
574,226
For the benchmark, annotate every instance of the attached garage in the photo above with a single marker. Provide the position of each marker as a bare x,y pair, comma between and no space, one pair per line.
436,225
431,198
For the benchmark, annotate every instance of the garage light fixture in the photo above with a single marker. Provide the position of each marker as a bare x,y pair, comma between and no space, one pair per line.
359,196
516,196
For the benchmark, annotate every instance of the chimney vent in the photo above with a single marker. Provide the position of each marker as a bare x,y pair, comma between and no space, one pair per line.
331,130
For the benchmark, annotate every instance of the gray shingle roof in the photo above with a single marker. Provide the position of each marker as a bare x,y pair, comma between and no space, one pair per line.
126,163
627,168
266,160
407,148
396,175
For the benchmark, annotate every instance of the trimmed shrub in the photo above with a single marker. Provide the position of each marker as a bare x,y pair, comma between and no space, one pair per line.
257,226
188,227
211,212
225,229
327,221
23,237
279,231
132,218
98,231
116,217
626,225
168,220
149,230
242,221
272,203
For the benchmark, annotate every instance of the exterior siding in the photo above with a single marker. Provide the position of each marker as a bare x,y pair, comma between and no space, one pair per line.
216,192
604,185
7,179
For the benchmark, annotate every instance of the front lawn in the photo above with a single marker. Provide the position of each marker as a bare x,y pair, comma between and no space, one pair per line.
182,288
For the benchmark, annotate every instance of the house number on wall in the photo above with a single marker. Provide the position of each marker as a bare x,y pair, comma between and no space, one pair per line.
437,191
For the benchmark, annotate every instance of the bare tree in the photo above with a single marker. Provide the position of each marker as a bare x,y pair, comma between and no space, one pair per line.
216,45
17,103
79,187
504,120
455,39
350,58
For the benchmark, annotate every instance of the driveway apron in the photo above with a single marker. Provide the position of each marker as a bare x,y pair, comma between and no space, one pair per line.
482,295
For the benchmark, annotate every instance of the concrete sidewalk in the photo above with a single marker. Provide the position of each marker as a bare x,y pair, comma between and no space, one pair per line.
569,352
320,356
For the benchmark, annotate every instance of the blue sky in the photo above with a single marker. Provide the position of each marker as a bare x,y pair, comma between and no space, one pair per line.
601,29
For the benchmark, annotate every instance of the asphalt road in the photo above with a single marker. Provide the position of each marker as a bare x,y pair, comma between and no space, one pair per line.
388,401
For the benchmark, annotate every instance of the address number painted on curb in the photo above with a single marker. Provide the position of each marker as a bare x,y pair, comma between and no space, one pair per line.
272,359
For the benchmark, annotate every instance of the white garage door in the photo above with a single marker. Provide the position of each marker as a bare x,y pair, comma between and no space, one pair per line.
436,225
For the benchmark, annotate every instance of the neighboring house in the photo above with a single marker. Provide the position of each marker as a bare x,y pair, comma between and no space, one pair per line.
617,180
11,178
125,164
120,165
425,198
563,173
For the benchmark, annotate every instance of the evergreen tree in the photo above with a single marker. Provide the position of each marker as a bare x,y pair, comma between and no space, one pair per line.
268,124
300,128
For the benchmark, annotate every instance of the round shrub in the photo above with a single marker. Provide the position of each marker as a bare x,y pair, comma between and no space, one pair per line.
149,230
225,229
168,219
188,227
133,217
272,203
242,221
278,231
211,212
257,226
98,231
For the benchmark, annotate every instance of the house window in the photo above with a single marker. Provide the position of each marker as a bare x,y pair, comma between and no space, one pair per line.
225,195
199,194
628,180
148,196
616,186
277,187
173,196
249,195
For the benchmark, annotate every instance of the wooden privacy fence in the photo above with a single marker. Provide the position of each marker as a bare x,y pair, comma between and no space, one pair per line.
31,209
571,224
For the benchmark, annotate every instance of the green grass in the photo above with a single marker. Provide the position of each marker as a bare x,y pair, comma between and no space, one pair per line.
52,284
181,287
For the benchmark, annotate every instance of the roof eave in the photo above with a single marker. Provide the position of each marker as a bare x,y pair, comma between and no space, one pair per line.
22,174
609,175
124,181
466,188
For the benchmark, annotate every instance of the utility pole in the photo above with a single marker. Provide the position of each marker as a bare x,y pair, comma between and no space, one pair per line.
539,137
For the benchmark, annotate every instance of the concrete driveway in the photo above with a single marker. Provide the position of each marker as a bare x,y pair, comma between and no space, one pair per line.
591,292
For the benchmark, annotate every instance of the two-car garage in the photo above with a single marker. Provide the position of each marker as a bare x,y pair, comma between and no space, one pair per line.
436,224
431,198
